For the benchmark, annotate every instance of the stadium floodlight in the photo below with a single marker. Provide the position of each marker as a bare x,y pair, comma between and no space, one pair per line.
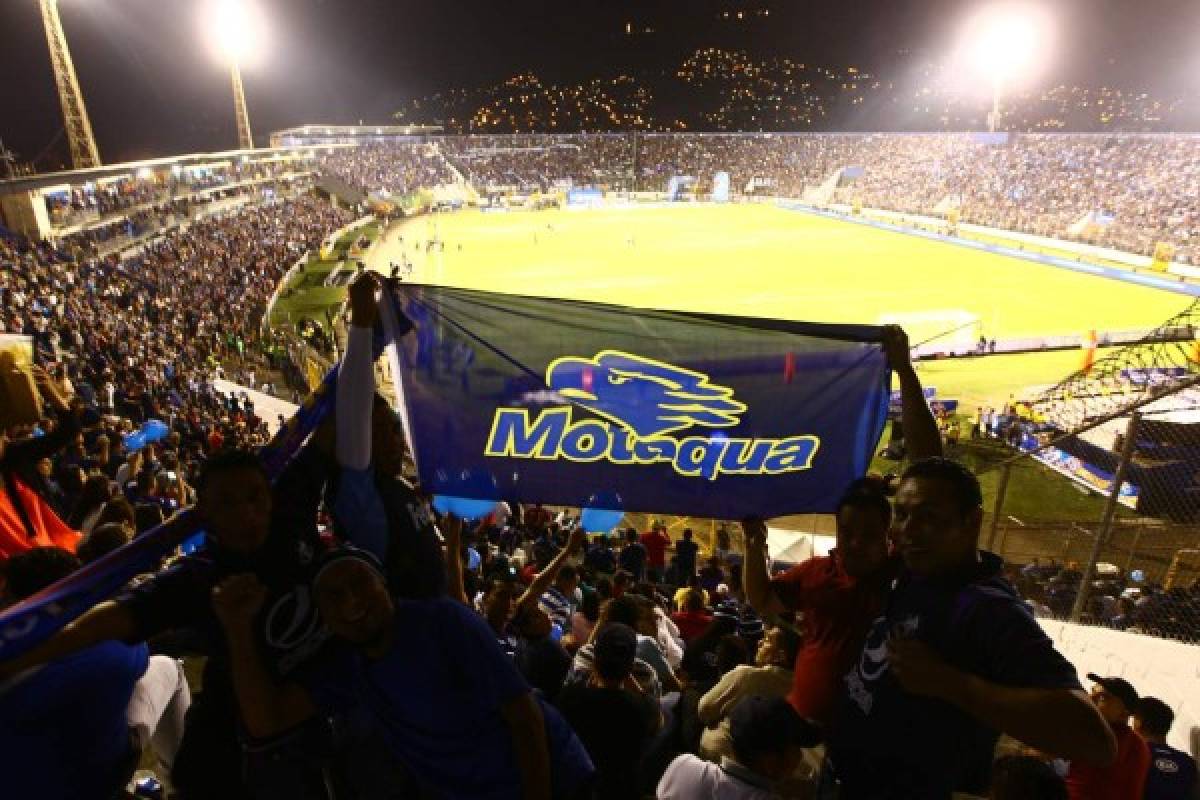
237,35
1004,44
235,30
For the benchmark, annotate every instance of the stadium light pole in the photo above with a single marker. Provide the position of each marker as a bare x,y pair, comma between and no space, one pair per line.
1004,44
236,33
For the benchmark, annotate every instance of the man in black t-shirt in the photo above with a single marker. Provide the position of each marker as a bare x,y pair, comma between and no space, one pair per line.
250,528
954,660
611,715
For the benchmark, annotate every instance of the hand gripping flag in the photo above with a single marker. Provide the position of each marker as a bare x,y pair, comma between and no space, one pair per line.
555,400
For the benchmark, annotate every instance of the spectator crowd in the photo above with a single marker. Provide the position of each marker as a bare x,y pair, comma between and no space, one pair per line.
1122,191
358,644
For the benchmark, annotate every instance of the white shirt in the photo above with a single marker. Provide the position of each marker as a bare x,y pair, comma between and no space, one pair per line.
690,778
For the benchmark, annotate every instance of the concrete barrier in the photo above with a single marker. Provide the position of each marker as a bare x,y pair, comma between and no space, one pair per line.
1161,668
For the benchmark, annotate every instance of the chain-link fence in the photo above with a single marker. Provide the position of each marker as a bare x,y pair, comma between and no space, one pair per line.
1129,559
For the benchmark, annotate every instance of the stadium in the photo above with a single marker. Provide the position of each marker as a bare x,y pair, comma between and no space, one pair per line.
518,391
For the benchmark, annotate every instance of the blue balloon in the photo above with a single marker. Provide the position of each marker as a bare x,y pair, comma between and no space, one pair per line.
154,430
134,441
470,494
600,520
602,512
463,507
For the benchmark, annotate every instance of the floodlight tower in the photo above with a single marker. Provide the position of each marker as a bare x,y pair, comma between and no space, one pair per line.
245,139
75,118
235,30
1005,42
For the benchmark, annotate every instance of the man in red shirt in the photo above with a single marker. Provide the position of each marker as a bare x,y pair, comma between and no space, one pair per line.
656,541
692,620
838,595
1126,778
841,595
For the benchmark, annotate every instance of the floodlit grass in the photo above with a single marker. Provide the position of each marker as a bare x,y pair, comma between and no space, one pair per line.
768,262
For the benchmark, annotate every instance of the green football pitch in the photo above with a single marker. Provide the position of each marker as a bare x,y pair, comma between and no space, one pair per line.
763,261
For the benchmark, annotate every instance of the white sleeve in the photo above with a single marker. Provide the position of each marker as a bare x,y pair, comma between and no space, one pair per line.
355,389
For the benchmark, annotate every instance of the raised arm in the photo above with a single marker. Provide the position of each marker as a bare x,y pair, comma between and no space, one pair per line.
451,528
921,437
541,582
759,593
356,377
267,708
25,453
106,622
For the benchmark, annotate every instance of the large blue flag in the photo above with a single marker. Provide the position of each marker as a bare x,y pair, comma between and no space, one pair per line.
557,401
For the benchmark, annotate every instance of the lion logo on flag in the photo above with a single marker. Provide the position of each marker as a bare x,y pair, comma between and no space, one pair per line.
647,397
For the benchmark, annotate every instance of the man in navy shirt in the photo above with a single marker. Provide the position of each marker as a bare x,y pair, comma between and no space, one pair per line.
448,704
1172,773
954,660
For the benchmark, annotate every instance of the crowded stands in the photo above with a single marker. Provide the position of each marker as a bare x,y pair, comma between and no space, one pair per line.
1133,191
355,644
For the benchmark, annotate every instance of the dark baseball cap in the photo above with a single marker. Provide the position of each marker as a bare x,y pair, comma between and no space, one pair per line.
761,725
616,649
1119,688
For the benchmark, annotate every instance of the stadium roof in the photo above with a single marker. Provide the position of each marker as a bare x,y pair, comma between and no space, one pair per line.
77,176
357,130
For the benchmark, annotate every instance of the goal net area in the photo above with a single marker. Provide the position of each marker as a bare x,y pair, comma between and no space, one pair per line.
938,331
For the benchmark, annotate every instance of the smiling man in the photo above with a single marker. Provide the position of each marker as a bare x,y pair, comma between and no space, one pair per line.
954,660
445,701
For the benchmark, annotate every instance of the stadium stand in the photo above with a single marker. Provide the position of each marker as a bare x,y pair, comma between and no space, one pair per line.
1134,190
135,335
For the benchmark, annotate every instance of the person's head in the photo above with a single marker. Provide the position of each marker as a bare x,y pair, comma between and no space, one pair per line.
45,467
96,492
27,573
730,651
352,597
235,501
590,607
567,579
631,536
147,516
103,540
621,582
769,737
1020,777
938,512
778,648
499,600
693,601
117,510
687,534
1152,718
863,517
531,622
1115,697
633,610
615,651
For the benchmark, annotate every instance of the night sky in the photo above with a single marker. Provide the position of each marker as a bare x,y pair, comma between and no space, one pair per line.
153,88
